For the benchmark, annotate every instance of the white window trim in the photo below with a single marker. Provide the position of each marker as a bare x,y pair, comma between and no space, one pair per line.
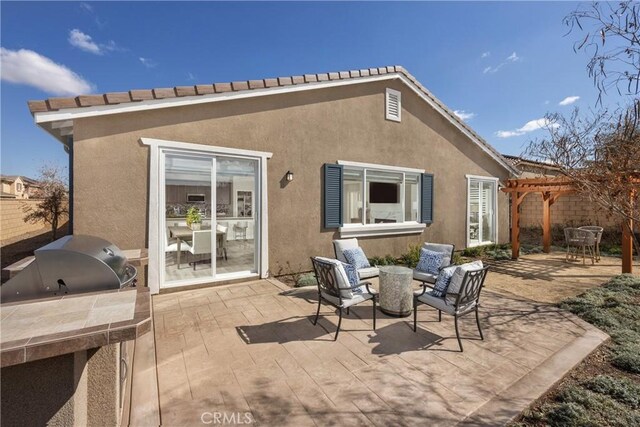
157,146
383,229
495,207
385,168
369,230
398,94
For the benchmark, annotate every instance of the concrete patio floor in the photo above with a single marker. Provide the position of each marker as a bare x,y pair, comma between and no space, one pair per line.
251,348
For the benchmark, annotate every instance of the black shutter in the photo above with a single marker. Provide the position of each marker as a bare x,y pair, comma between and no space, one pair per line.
426,200
332,196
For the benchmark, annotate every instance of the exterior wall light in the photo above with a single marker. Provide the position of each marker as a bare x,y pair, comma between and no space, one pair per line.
289,176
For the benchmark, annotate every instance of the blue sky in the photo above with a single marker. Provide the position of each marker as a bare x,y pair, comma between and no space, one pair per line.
502,65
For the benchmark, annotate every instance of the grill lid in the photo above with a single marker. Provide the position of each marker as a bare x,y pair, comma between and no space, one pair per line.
72,264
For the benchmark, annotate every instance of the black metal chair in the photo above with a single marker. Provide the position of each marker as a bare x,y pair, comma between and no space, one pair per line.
456,305
330,291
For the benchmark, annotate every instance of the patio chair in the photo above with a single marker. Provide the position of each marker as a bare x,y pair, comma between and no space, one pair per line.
598,232
577,239
171,245
334,288
341,245
200,245
428,280
240,230
222,241
456,305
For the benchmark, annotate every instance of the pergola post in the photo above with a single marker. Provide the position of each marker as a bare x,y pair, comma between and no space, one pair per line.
627,247
546,222
515,225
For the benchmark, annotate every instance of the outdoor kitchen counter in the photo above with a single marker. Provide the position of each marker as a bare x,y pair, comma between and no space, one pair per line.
44,328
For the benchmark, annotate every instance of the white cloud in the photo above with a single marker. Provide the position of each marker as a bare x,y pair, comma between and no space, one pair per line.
190,76
511,58
530,126
30,68
86,7
83,42
569,100
464,115
485,54
147,62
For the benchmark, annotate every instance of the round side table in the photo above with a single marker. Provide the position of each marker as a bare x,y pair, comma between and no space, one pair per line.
396,290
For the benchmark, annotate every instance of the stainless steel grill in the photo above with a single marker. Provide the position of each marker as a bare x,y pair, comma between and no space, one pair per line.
70,265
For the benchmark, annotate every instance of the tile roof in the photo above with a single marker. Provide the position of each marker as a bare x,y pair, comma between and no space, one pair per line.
111,98
132,96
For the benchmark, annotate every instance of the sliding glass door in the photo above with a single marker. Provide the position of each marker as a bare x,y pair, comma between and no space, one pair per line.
210,223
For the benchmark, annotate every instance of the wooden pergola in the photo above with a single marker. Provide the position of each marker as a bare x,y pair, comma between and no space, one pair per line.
551,188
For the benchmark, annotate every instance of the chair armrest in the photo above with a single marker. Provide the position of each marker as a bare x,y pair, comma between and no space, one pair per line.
424,288
367,284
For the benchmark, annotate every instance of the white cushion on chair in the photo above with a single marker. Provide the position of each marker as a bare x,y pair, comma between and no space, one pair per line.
340,245
341,276
442,304
348,302
369,272
173,247
458,275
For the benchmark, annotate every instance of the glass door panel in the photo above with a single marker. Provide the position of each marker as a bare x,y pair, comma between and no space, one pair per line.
235,215
488,203
188,242
474,212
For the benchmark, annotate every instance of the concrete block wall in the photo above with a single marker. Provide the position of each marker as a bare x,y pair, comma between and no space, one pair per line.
12,223
569,209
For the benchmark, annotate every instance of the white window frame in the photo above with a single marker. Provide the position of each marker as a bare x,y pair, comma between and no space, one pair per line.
479,178
383,229
156,195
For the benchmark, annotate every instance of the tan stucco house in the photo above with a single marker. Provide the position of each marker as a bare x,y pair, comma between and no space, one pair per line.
279,167
18,187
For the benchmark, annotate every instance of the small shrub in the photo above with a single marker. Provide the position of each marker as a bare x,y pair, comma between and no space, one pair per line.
308,279
627,357
566,414
457,259
474,252
621,389
411,258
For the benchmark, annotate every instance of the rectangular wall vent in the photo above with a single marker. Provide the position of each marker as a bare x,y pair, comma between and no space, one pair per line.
393,101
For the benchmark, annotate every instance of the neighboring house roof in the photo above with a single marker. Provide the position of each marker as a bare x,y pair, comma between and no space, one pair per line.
26,180
56,115
9,178
520,161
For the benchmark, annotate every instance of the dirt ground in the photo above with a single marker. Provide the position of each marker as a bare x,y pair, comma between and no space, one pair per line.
549,278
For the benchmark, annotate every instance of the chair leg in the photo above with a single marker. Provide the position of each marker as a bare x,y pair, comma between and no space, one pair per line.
458,333
374,313
415,315
478,323
317,312
347,311
439,316
583,254
339,323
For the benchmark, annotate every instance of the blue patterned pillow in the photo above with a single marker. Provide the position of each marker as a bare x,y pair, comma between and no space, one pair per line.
430,261
352,275
442,283
356,257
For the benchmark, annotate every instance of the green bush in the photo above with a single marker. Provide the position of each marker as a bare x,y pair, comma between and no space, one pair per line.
411,258
627,357
308,279
383,260
622,390
567,414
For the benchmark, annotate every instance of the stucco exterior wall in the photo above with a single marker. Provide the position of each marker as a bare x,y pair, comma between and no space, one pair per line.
304,130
